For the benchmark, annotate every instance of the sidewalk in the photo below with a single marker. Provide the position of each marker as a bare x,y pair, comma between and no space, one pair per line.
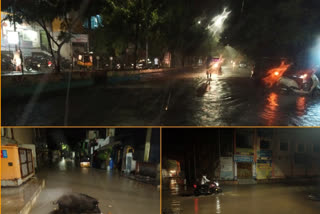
19,200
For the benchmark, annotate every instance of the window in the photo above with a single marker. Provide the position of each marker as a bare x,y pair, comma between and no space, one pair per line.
264,144
316,148
244,138
226,142
3,132
284,146
300,147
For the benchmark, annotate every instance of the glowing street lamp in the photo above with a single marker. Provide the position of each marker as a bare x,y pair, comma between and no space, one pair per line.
218,21
13,38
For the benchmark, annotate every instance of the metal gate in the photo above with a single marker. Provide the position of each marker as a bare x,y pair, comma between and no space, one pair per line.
26,162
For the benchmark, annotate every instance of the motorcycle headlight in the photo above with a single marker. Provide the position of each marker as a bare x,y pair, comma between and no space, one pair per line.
38,65
217,184
303,76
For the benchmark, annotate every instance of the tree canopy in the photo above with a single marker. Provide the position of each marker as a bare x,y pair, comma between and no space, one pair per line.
284,28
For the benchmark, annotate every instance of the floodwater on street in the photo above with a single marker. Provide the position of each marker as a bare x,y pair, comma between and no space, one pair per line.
171,99
243,199
116,194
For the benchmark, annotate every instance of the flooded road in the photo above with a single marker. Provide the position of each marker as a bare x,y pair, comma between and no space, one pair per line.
172,99
116,194
244,199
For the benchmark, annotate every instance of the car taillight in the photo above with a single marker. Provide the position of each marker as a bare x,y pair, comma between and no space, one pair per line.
194,186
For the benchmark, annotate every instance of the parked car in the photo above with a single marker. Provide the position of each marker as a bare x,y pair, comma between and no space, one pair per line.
243,64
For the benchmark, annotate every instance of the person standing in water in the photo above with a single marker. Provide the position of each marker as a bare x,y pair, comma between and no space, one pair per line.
208,65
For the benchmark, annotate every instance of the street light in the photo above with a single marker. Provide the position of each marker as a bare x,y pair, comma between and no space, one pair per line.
218,21
199,22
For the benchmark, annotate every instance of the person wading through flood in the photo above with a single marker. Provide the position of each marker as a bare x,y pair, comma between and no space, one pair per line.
208,65
17,60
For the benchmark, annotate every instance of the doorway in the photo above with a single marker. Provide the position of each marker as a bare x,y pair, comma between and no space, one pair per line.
244,170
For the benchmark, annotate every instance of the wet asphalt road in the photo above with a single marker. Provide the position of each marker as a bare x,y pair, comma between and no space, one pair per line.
116,195
244,199
183,98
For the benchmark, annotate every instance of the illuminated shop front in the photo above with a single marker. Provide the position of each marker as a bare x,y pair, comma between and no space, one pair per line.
25,37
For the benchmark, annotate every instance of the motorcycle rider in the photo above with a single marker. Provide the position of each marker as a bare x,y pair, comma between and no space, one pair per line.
204,180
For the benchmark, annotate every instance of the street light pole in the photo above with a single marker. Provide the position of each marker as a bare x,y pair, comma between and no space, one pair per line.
243,1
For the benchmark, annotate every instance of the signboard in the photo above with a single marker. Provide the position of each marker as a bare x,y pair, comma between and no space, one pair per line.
243,158
79,38
4,154
265,154
226,171
264,169
244,151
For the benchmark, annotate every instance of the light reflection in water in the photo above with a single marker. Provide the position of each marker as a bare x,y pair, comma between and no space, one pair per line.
196,206
301,106
270,110
62,164
218,207
176,206
174,187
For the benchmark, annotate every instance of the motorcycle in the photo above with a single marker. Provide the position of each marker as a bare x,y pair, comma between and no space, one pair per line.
302,82
38,63
207,189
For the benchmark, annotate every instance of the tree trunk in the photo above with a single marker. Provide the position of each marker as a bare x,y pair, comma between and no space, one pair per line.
58,67
136,47
50,47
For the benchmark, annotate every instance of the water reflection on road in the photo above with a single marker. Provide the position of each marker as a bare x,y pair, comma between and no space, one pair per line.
181,98
116,194
246,199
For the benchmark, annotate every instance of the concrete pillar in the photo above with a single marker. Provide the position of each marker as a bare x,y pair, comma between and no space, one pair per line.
147,145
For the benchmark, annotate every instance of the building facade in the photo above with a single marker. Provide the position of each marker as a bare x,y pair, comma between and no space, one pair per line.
262,154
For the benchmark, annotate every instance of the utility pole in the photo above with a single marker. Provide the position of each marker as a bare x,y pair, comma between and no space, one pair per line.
147,145
243,1
194,161
147,52
14,21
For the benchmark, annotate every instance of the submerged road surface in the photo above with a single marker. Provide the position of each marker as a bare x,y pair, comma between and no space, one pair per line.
116,194
171,98
244,199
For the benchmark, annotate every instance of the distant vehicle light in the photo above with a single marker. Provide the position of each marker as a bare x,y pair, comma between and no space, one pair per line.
38,65
84,164
194,186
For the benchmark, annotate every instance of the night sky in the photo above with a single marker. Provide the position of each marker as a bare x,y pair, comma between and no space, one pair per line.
173,140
